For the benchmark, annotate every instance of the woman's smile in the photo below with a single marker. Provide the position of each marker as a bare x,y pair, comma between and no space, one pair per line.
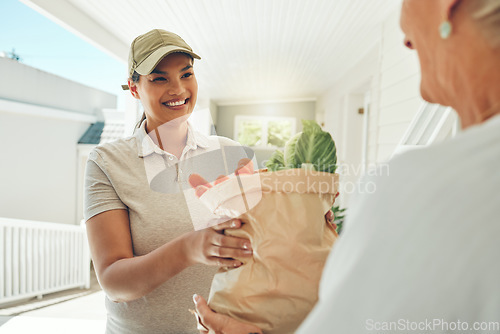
176,104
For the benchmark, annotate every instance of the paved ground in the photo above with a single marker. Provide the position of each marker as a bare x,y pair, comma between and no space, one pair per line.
74,311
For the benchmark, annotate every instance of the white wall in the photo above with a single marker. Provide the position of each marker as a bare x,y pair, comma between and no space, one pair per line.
38,171
42,117
399,91
390,73
332,103
339,106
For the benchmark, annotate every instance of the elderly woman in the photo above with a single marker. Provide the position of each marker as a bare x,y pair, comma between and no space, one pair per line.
421,253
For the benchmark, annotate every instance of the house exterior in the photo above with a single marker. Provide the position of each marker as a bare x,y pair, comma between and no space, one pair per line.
42,118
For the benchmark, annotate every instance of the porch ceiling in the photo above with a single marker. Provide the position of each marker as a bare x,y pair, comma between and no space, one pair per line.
251,50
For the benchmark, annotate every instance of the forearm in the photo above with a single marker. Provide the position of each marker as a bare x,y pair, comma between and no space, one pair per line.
132,278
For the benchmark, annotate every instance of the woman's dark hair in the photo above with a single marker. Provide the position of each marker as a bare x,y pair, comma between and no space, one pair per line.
135,78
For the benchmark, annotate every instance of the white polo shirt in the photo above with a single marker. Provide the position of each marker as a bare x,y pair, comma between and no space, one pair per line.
122,175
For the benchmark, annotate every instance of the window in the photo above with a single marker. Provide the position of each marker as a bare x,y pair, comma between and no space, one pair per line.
264,132
433,123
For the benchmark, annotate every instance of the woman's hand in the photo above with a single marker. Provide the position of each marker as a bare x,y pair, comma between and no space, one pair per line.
219,323
211,247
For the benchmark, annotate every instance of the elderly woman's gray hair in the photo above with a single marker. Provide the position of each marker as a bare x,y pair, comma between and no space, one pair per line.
487,14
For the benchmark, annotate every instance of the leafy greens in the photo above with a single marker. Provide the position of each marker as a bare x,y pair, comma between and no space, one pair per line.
312,146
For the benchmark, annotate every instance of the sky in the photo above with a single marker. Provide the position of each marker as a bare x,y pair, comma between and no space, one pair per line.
47,46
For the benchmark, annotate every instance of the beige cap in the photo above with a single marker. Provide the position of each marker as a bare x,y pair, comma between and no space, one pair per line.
147,50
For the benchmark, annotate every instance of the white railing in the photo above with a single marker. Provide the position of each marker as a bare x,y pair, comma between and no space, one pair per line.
37,258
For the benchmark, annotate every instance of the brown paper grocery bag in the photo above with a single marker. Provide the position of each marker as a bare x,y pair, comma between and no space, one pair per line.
285,222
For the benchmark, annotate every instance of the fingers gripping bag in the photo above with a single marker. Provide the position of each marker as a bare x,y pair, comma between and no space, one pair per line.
283,215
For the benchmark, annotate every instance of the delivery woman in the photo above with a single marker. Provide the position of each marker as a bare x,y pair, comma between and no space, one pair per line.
147,257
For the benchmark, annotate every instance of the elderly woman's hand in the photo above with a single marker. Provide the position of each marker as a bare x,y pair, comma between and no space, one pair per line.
220,324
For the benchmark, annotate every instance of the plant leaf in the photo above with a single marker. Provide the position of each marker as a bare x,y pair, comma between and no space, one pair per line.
276,162
289,153
315,146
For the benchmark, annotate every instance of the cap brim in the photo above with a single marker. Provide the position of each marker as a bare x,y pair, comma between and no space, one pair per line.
149,64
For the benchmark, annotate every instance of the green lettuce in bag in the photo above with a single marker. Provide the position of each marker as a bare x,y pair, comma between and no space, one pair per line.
283,216
312,148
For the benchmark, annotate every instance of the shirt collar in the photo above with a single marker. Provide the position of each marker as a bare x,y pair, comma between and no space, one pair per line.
146,146
196,139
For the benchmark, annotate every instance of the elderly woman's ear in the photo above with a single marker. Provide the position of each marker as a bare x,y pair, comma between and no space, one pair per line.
447,7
